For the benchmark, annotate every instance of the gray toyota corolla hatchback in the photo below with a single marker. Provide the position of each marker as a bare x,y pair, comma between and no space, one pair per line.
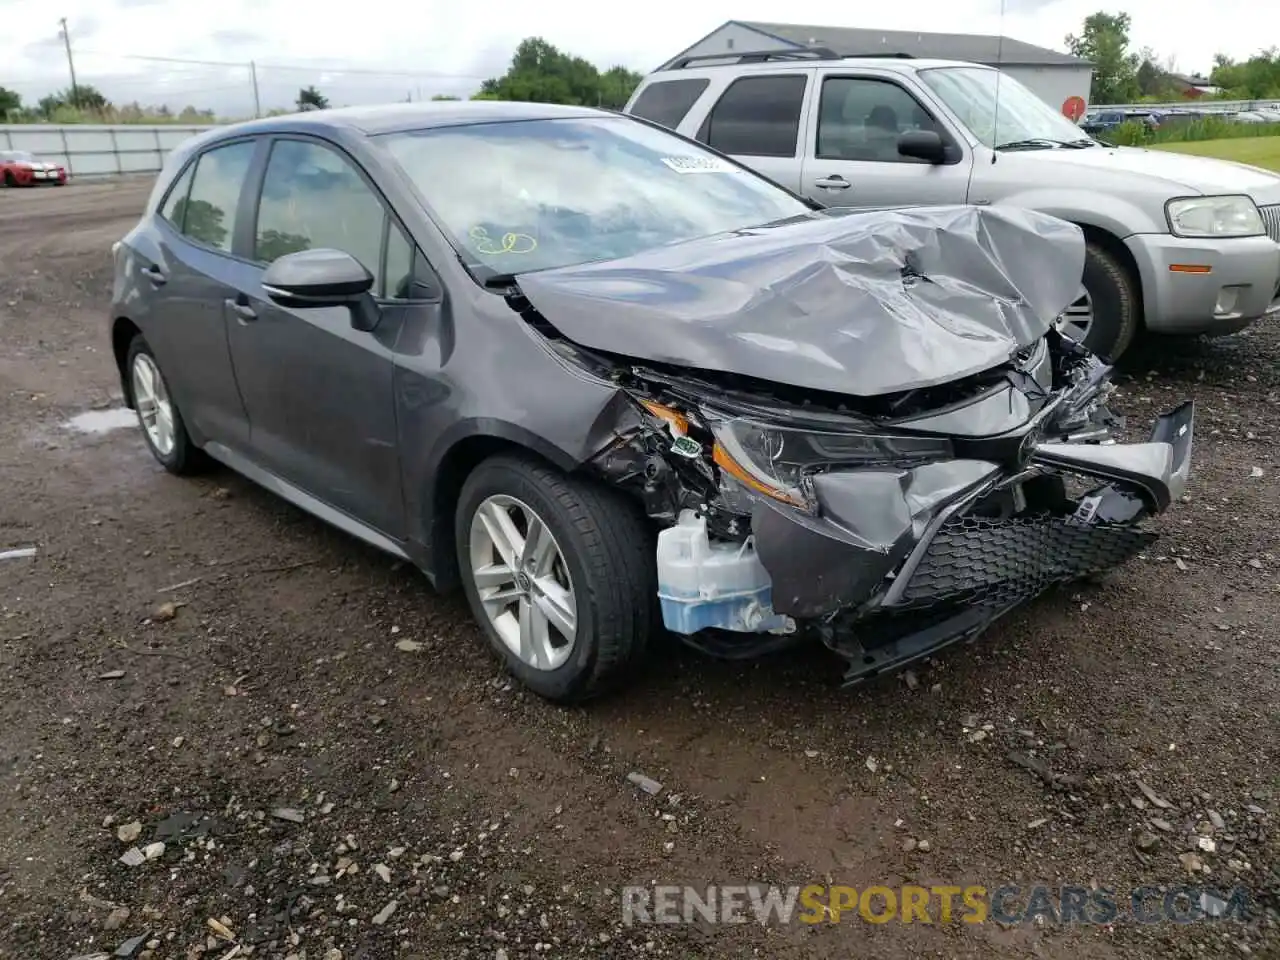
612,382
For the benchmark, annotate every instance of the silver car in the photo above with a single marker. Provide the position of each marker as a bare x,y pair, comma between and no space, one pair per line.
1176,244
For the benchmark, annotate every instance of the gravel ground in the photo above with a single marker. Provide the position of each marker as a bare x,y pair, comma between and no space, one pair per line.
314,756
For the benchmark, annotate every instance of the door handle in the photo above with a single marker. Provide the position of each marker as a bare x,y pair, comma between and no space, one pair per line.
242,310
833,182
154,274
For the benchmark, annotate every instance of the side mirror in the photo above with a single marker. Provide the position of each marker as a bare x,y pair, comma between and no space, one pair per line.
924,145
323,278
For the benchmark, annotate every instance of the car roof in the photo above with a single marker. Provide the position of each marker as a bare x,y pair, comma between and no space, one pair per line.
389,118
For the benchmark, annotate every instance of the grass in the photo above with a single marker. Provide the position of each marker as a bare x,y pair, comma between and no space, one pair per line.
1257,151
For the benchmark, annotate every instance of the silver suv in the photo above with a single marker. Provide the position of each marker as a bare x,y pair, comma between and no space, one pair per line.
1176,244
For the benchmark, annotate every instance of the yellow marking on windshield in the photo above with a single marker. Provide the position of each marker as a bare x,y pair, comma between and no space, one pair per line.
510,242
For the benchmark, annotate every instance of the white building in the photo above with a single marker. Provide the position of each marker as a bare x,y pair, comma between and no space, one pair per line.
1055,77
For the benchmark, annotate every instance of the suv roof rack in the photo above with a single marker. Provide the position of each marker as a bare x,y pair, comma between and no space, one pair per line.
759,56
893,55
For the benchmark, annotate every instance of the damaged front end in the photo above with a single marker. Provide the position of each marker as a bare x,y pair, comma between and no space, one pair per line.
865,426
894,527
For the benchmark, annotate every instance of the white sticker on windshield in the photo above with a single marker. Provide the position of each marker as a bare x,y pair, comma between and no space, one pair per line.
699,165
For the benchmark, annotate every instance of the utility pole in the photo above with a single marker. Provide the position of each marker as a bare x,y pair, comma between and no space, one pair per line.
71,64
257,104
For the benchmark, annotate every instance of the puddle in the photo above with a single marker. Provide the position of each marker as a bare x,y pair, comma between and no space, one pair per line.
103,421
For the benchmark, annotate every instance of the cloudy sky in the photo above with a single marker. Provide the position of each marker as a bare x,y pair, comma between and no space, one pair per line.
376,51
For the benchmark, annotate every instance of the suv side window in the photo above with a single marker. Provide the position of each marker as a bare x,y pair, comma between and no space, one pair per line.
861,119
757,116
313,197
208,213
667,101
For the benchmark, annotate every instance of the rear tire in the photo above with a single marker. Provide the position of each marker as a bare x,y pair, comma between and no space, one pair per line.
1114,297
172,446
8,179
607,569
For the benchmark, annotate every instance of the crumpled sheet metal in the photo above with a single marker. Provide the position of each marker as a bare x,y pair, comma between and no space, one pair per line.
860,303
871,519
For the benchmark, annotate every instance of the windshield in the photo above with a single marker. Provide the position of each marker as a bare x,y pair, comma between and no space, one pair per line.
18,156
970,92
533,194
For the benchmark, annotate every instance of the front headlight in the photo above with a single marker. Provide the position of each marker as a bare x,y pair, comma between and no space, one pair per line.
1214,217
778,461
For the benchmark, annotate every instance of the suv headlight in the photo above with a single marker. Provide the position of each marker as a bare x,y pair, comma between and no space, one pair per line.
1214,217
777,461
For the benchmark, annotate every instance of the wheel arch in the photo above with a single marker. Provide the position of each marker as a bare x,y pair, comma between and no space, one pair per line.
123,331
1117,248
462,450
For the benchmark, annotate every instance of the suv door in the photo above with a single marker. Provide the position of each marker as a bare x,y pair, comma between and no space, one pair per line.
320,394
191,267
758,121
851,154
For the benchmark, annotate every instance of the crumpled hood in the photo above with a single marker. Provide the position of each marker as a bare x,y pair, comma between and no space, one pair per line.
860,303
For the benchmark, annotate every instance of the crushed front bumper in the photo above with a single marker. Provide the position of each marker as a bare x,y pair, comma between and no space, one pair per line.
900,565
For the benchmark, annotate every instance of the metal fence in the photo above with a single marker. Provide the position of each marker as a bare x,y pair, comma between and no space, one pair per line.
1207,106
93,150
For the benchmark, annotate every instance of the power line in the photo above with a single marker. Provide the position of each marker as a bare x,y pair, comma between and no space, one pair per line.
312,68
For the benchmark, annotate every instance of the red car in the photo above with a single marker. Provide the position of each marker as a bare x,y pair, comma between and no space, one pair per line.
20,169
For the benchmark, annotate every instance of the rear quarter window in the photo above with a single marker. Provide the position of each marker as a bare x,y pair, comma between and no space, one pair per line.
668,101
757,116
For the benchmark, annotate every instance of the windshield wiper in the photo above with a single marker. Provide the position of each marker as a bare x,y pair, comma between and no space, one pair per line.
1033,143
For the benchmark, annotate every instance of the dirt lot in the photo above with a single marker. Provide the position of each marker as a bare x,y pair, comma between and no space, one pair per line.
304,770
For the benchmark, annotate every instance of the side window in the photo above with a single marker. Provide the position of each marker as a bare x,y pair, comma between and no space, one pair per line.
175,203
861,119
312,197
667,101
757,117
208,212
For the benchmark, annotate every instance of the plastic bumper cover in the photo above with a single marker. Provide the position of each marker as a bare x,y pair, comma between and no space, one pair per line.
900,565
1241,275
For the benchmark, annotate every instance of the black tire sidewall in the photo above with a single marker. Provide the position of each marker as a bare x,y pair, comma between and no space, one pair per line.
515,479
1114,304
176,460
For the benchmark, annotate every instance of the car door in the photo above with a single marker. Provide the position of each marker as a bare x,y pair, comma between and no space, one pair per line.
319,393
851,154
759,121
188,267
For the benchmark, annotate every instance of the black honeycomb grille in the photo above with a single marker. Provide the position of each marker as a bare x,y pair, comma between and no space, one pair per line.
998,561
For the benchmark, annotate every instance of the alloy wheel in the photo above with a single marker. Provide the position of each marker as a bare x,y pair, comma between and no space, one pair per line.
523,582
151,399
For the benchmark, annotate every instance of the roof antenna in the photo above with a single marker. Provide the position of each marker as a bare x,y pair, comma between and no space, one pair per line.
995,123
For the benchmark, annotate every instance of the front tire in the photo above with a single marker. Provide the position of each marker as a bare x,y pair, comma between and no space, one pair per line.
1113,302
163,428
560,574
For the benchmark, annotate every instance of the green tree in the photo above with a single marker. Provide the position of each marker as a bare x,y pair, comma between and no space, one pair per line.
445,96
1155,80
1104,42
85,96
1257,78
10,101
541,73
48,105
309,98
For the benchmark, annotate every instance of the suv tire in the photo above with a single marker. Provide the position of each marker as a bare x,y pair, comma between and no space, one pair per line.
1115,303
